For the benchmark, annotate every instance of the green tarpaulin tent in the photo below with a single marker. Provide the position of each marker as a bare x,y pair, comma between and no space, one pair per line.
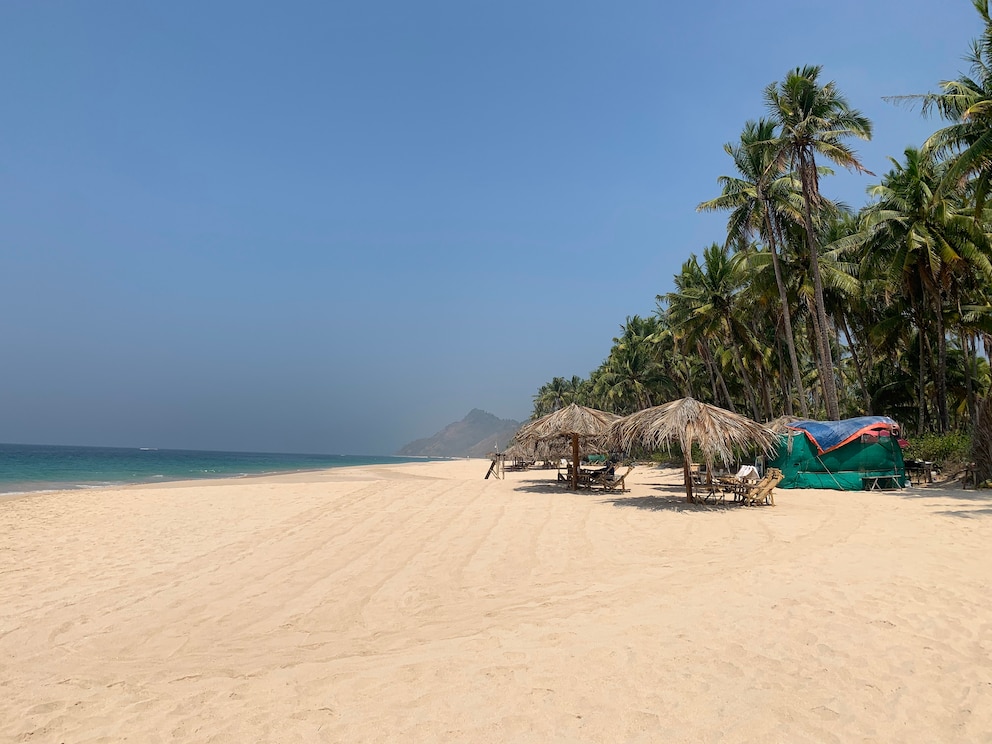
849,455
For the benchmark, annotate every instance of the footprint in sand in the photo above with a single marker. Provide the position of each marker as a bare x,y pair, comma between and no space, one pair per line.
43,708
62,629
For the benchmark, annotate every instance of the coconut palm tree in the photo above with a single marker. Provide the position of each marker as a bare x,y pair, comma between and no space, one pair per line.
631,374
815,119
759,197
706,308
967,103
557,394
923,237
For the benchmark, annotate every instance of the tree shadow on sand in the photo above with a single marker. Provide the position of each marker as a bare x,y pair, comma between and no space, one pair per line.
967,513
974,503
946,491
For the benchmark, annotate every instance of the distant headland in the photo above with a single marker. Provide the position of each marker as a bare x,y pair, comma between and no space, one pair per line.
476,435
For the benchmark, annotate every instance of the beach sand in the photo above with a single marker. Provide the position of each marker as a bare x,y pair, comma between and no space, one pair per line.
422,603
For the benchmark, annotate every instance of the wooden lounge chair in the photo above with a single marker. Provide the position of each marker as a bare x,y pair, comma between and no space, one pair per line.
763,492
617,482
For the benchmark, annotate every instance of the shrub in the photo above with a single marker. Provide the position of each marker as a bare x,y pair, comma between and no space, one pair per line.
943,449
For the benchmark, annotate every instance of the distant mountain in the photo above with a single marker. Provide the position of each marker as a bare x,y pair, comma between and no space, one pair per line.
476,435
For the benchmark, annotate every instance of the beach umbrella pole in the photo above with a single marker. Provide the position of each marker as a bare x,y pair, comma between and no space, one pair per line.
687,472
575,462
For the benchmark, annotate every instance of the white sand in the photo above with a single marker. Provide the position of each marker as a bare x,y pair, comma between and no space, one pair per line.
421,603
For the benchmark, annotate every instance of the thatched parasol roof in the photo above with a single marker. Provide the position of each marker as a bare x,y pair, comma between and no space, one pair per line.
571,420
548,449
717,432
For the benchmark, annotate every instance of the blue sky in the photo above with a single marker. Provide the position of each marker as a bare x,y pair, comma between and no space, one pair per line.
339,226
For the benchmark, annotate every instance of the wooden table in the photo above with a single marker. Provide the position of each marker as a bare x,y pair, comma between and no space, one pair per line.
918,470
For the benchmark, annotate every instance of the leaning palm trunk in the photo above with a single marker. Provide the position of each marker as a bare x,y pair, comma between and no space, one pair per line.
981,446
866,395
807,175
968,344
718,377
942,413
790,339
921,381
817,356
783,386
745,378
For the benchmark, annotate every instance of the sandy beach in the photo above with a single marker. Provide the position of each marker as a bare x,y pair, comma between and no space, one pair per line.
421,603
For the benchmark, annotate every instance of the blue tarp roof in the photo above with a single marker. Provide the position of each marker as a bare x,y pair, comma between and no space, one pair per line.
829,435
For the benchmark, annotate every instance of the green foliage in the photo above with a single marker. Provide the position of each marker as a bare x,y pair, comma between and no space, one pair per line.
954,447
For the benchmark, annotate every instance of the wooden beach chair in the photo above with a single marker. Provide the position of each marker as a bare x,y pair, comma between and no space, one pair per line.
617,482
698,475
763,492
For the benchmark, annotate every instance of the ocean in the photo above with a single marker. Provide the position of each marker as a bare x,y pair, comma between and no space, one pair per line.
27,468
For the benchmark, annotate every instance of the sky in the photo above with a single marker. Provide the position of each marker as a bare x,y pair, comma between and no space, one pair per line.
338,226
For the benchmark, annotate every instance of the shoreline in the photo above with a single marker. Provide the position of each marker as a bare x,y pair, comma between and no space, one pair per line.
164,480
420,601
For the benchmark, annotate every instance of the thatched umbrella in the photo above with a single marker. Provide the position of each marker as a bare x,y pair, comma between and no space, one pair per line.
718,432
534,450
573,422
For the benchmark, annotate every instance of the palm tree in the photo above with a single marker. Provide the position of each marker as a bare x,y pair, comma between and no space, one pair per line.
813,120
758,198
843,295
557,394
967,102
631,374
706,309
923,238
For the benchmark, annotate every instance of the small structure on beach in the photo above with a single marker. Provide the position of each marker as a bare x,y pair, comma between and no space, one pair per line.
718,433
848,455
574,424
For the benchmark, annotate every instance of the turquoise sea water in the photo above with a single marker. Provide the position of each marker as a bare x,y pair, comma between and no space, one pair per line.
27,467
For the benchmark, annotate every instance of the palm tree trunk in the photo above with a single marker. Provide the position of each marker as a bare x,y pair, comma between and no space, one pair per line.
819,359
783,384
715,369
708,362
790,339
807,175
968,346
748,387
922,390
857,366
766,395
943,417
687,380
